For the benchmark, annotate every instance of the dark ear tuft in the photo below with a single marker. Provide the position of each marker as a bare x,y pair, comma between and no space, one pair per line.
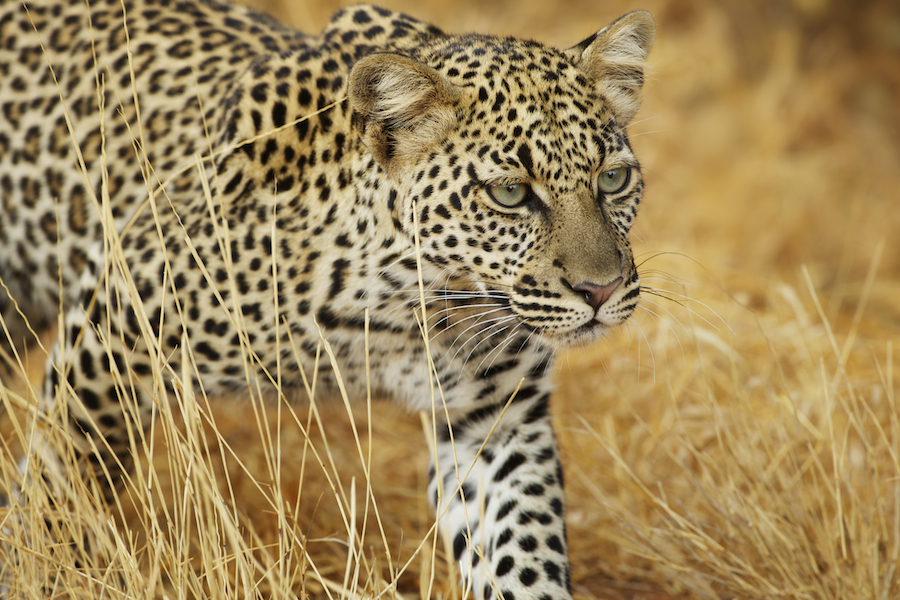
614,58
403,106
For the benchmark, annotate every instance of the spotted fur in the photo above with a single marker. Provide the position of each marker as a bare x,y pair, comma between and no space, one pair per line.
412,137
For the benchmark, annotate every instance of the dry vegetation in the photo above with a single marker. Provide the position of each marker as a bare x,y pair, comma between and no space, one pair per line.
741,439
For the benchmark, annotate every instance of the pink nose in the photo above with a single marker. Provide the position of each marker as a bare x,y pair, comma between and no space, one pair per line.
597,295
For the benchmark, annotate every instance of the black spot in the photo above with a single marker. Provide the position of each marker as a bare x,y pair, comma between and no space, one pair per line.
498,102
545,455
505,565
552,570
327,319
556,505
90,399
555,544
373,31
108,422
258,92
505,509
528,543
459,545
213,327
207,351
524,154
515,460
503,538
279,114
534,489
141,369
528,576
87,365
539,411
337,276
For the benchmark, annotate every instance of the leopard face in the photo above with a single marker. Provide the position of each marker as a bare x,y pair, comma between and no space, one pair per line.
514,169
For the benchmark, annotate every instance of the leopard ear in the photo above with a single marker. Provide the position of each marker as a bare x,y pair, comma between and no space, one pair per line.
402,106
615,58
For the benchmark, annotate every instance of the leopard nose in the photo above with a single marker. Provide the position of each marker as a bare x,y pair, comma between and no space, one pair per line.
597,295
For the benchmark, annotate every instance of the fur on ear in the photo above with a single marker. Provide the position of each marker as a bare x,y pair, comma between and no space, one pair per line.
402,105
615,58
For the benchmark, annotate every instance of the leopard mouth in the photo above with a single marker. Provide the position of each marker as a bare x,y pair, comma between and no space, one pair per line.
579,330
581,335
564,325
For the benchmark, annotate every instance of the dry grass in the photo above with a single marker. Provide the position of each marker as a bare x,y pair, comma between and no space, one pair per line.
740,440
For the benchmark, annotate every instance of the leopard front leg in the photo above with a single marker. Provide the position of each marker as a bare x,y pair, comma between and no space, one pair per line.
502,502
100,371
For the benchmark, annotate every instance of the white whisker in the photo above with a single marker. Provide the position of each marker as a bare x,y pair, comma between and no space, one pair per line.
498,350
662,293
649,349
669,312
502,324
475,316
658,317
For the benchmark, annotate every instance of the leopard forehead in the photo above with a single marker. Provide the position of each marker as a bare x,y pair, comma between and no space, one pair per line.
475,59
529,108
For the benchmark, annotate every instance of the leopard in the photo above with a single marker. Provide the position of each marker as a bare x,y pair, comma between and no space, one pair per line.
192,178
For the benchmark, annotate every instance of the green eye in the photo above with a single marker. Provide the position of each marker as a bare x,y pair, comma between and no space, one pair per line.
615,180
509,195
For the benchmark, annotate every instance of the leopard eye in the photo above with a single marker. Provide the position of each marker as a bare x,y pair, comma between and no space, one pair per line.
615,180
509,195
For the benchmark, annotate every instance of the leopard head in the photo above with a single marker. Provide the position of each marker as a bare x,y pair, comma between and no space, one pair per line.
513,167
